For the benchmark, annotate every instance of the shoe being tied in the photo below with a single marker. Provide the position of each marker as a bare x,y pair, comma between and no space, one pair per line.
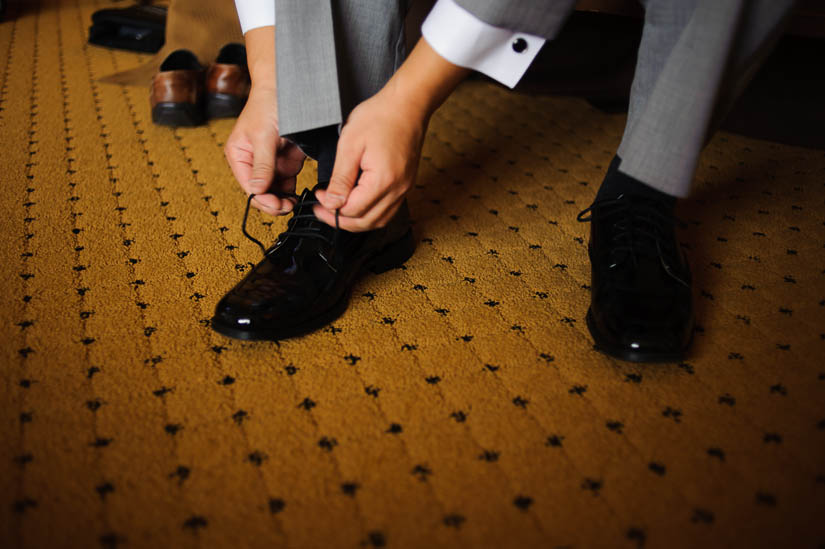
641,302
305,279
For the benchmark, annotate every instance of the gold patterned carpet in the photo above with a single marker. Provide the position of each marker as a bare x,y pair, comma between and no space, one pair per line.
458,403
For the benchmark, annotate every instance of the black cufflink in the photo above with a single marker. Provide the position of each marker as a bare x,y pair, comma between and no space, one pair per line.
519,45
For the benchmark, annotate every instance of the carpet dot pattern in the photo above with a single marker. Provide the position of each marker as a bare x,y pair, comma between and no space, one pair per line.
457,403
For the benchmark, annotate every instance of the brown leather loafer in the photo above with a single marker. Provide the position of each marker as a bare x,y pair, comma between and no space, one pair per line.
227,83
177,94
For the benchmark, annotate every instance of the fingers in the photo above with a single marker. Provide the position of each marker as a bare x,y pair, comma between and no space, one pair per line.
238,153
252,168
271,204
376,218
371,203
371,191
344,173
263,166
263,162
241,164
252,164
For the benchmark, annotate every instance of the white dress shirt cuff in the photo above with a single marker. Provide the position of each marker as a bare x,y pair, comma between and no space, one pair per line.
463,39
255,13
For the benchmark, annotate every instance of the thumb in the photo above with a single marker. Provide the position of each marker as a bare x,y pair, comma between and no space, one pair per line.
263,168
344,176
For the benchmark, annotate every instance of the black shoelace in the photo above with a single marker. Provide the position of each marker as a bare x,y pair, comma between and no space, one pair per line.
294,228
640,229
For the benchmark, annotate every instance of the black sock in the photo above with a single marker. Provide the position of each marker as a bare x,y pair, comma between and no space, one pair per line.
617,183
319,144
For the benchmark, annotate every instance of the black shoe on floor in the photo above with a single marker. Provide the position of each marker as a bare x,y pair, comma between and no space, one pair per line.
641,302
305,279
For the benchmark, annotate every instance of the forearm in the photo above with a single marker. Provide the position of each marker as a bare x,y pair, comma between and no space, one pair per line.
425,80
260,54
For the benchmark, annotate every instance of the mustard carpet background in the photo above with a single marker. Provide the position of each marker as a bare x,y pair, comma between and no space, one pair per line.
458,403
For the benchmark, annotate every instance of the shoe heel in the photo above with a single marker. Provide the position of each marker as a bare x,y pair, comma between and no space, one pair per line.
220,105
393,255
177,114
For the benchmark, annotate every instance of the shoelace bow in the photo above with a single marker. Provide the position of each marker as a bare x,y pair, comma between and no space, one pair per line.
640,230
303,230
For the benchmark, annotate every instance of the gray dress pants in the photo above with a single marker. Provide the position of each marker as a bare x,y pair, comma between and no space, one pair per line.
695,57
333,54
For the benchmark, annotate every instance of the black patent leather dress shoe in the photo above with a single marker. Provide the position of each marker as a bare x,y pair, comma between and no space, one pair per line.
305,279
641,302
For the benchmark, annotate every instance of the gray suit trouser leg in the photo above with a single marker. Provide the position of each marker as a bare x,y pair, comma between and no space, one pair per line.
333,54
695,58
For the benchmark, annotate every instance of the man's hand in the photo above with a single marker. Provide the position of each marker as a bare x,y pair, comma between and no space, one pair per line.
259,157
382,140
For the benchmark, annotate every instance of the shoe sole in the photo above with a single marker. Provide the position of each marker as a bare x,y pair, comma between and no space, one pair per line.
629,355
177,114
392,256
221,105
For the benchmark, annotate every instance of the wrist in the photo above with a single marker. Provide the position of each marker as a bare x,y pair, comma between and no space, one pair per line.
262,105
409,98
263,85
262,75
260,48
424,81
